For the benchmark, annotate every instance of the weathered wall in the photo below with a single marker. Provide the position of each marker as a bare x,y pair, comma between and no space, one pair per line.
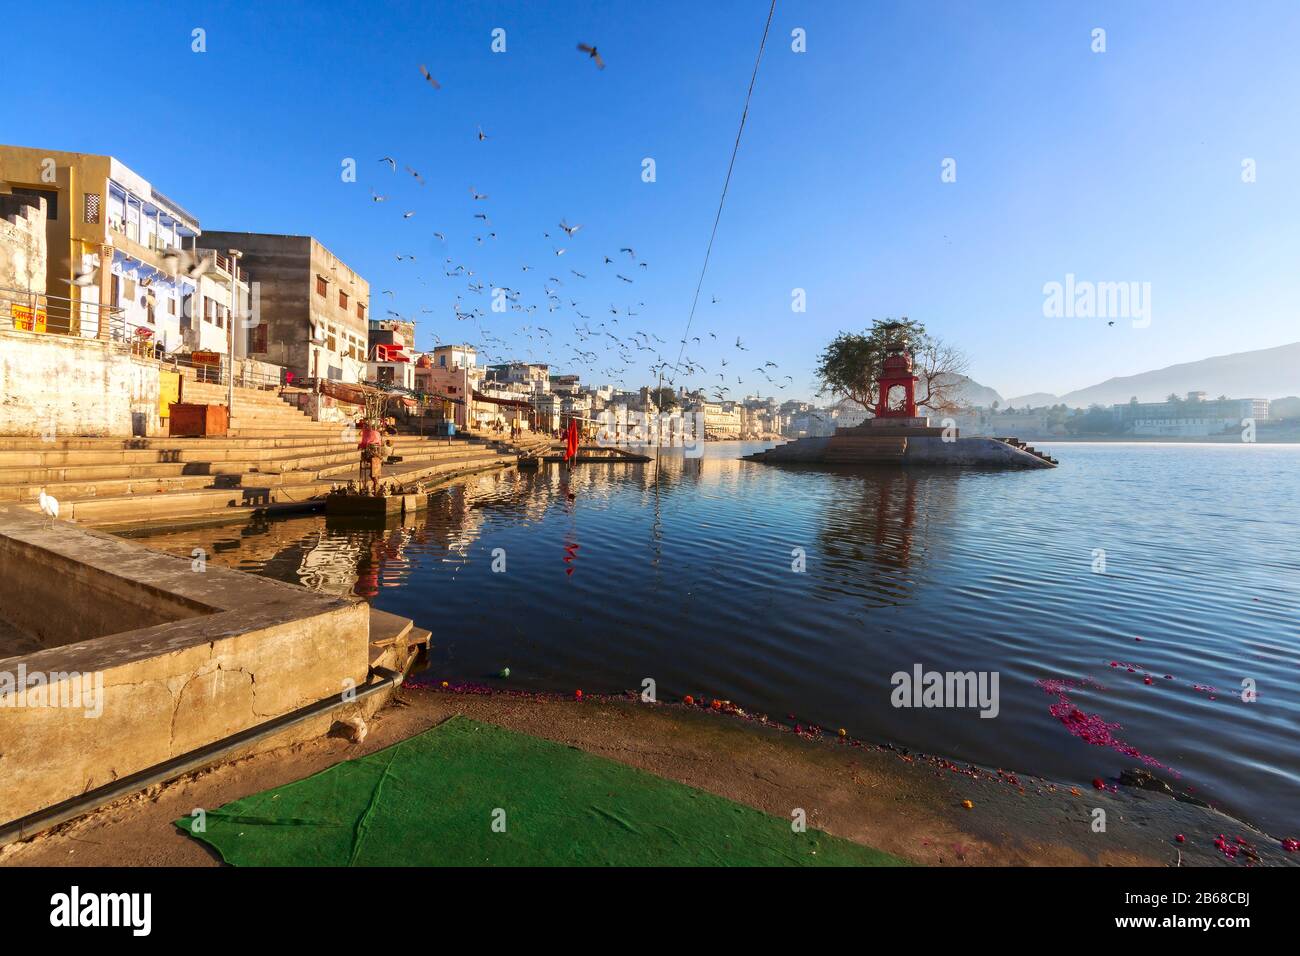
23,252
266,649
63,386
58,600
921,450
975,452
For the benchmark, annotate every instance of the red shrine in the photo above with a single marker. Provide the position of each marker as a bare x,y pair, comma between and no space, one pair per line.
897,372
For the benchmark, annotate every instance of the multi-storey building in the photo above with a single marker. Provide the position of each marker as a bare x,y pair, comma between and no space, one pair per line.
313,310
115,245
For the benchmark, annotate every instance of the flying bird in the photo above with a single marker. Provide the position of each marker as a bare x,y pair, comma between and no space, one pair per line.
424,71
86,277
392,163
592,54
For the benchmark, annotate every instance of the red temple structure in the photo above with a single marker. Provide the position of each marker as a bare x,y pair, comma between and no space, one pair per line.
897,372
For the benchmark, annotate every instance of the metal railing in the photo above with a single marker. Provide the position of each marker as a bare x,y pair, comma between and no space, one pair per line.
41,314
38,314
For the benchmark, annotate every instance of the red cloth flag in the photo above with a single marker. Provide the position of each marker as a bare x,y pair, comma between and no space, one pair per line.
571,446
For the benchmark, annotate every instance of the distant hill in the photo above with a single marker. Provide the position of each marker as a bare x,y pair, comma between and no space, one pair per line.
971,392
1033,400
1263,373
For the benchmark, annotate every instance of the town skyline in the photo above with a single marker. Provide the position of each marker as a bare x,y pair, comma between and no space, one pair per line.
274,168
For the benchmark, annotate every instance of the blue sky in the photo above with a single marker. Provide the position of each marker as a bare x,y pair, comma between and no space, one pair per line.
1117,166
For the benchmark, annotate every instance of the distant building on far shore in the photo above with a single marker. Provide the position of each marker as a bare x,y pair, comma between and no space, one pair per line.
1190,417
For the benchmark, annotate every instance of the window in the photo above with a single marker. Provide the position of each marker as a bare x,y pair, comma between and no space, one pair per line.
171,306
92,209
321,286
343,299
259,338
361,311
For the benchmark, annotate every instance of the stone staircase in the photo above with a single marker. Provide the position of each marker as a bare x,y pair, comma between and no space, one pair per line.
274,459
864,450
1017,443
529,445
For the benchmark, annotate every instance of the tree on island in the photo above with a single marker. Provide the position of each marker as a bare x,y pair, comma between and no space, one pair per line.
850,366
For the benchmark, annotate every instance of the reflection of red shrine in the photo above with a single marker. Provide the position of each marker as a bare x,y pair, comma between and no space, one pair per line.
897,373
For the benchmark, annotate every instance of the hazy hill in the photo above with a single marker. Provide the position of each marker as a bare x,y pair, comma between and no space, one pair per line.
1033,400
971,392
1263,373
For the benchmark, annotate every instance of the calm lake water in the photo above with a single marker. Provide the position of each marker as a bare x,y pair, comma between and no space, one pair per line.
688,580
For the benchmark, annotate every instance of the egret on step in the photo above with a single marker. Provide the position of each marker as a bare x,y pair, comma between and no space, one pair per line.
49,506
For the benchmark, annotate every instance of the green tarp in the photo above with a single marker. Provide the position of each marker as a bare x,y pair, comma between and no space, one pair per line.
473,794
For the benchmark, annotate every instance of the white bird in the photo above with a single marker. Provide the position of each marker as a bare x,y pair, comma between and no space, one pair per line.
84,276
49,506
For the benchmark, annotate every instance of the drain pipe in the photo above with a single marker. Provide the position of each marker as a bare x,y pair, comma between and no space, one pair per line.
41,820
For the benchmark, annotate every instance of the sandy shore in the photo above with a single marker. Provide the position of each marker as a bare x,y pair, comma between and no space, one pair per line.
907,804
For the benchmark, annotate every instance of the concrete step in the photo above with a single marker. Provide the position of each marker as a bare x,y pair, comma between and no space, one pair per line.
43,475
844,449
346,471
109,509
322,455
55,458
159,508
83,487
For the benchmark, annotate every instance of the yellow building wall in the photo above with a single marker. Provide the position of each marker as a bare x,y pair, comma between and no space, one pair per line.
71,176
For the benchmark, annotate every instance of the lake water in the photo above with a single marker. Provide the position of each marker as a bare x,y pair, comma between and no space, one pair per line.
688,580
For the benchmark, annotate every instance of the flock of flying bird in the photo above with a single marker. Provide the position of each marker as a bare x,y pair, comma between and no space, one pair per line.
608,348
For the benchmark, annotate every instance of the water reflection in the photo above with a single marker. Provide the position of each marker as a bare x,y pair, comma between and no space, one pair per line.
681,570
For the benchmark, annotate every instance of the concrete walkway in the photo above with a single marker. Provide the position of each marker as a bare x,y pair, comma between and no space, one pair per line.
905,804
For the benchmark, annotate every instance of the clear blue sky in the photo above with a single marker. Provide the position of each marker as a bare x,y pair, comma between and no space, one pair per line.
1121,166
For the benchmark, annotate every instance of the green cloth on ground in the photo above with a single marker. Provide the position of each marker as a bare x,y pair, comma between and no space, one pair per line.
432,800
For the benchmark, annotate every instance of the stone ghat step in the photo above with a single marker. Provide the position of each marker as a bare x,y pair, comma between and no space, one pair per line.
348,470
116,487
242,399
317,459
153,478
36,475
138,509
208,390
27,444
118,451
845,449
245,418
318,430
